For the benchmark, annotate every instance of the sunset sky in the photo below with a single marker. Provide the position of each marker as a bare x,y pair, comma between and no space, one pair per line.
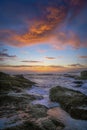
43,35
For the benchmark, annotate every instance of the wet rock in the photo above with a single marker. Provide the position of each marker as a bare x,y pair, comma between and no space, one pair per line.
13,83
48,123
78,82
72,101
9,99
4,75
41,124
25,126
83,75
70,76
38,120
80,114
38,111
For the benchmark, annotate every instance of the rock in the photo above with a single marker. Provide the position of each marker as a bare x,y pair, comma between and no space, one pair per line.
81,112
4,75
78,85
15,99
78,82
13,83
38,120
38,111
70,76
49,123
72,101
25,126
46,124
40,124
84,74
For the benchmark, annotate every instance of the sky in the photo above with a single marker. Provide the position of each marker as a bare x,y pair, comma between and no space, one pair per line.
43,35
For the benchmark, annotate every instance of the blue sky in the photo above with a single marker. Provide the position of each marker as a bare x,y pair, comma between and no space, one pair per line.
43,36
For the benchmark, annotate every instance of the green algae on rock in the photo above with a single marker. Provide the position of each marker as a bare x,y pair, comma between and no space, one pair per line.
15,83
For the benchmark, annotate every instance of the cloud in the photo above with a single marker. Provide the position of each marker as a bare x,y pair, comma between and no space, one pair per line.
76,6
68,38
57,66
7,55
31,61
1,59
16,66
4,50
34,68
40,68
39,31
58,40
83,57
41,50
76,65
50,58
48,17
4,55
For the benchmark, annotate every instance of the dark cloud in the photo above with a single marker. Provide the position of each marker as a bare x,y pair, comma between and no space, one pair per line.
34,66
4,55
50,58
7,55
4,50
16,66
31,61
57,66
76,65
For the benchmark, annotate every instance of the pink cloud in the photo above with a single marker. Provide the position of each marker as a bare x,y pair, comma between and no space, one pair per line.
83,57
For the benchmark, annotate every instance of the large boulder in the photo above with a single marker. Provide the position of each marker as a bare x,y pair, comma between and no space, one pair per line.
84,74
72,101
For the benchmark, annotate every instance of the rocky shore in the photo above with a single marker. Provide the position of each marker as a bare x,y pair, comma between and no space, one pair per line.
16,110
18,113
74,102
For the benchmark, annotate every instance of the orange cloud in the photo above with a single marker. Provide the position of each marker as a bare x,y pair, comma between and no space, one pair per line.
57,40
40,31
